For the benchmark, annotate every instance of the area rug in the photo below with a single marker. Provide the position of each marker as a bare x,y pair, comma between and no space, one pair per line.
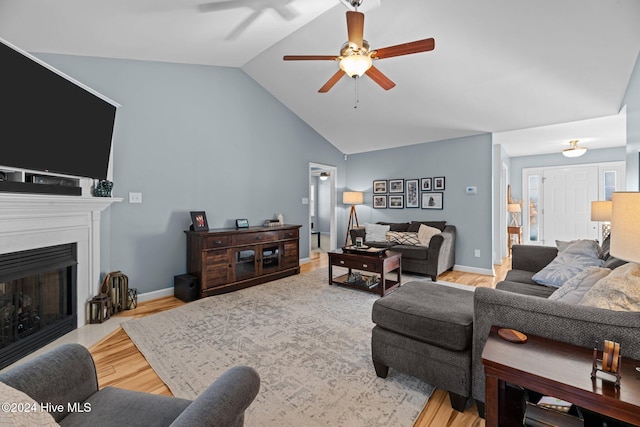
310,343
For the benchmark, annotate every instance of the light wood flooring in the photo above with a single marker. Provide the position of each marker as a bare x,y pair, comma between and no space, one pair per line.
120,364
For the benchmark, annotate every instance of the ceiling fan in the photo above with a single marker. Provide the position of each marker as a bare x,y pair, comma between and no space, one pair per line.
356,58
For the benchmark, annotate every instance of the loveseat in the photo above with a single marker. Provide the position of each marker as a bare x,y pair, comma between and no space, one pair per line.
520,303
64,380
432,260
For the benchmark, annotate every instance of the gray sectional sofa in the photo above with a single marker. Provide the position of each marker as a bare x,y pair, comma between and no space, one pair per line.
430,261
522,304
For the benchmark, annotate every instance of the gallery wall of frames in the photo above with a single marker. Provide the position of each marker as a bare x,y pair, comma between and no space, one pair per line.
425,193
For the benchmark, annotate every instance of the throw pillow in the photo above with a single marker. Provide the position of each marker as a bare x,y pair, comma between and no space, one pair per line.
403,238
562,245
425,233
376,232
576,258
619,291
396,226
415,225
575,288
34,416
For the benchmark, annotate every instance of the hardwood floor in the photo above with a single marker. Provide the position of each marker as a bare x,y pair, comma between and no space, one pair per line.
120,364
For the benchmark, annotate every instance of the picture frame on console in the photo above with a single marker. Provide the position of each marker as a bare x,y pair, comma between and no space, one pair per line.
425,184
379,202
432,201
199,221
380,186
396,186
412,193
396,202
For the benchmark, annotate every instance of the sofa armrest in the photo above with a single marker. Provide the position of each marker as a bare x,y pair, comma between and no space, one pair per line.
65,374
223,403
441,254
573,324
532,258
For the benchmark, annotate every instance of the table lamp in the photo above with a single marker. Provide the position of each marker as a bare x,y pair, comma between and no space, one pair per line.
514,209
352,198
625,226
601,212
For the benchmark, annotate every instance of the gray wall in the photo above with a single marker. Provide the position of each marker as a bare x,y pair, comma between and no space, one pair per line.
616,154
632,101
195,138
463,162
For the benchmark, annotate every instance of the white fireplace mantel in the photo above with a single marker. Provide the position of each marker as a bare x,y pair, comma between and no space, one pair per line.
31,221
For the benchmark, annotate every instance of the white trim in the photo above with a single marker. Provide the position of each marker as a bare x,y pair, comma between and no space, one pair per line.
161,293
476,270
304,260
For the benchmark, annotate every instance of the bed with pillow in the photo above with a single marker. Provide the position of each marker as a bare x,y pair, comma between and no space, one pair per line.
575,292
427,247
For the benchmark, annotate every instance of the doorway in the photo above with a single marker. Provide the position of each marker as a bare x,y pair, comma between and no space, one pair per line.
322,208
557,204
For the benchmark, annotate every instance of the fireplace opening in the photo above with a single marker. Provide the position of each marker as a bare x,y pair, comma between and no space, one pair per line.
37,299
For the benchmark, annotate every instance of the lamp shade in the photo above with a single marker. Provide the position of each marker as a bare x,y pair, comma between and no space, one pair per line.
601,211
514,207
355,65
625,226
352,198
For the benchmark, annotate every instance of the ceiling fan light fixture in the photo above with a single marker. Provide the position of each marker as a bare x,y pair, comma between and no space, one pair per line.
355,65
574,150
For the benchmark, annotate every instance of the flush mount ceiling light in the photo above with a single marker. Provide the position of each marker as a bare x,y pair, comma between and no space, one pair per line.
324,176
574,150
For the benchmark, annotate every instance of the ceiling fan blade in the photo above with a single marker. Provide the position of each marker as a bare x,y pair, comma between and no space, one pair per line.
310,57
355,28
332,81
405,49
377,76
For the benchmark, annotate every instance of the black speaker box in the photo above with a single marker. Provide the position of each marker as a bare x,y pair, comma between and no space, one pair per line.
185,287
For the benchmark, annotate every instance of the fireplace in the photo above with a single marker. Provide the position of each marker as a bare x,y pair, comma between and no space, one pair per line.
38,299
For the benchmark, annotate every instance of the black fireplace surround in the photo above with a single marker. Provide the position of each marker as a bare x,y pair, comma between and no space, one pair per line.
37,299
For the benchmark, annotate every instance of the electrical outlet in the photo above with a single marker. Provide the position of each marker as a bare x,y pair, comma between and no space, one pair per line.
477,253
135,197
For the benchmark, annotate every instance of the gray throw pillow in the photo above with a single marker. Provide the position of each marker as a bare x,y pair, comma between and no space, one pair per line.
575,288
573,260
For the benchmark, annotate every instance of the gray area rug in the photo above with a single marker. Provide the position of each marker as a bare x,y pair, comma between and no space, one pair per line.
310,343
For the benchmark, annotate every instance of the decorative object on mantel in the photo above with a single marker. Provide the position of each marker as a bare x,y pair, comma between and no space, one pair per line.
199,221
609,363
352,198
103,188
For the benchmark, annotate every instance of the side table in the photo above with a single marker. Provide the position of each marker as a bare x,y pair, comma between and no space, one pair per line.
514,230
556,369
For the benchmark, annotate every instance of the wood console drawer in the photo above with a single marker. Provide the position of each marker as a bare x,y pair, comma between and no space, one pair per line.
216,242
359,265
252,238
288,234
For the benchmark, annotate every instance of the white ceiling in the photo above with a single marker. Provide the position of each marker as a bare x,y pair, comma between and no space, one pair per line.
499,65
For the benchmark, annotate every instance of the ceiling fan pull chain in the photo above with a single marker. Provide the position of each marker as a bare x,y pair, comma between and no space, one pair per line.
355,104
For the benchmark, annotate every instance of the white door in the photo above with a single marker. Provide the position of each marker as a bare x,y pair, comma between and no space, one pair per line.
568,194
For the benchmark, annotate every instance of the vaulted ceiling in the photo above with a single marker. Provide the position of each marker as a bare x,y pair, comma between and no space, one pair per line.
498,66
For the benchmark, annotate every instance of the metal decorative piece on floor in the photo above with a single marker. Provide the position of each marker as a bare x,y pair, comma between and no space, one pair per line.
99,309
116,286
132,301
610,363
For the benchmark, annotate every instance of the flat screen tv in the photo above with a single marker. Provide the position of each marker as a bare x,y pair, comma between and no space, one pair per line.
50,122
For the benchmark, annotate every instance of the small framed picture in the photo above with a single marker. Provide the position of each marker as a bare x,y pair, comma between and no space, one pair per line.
432,201
242,223
438,183
396,202
380,186
396,186
412,194
199,221
379,202
425,184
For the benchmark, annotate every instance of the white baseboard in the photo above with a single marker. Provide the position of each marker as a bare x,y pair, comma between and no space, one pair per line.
476,270
147,296
304,260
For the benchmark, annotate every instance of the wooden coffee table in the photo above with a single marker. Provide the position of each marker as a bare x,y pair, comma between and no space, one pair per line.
381,265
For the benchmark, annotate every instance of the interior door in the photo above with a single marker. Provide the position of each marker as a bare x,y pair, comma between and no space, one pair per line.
568,194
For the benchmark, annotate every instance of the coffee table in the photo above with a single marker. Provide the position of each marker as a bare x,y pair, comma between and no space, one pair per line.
380,264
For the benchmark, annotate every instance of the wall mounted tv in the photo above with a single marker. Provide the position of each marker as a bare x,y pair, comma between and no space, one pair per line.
50,122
